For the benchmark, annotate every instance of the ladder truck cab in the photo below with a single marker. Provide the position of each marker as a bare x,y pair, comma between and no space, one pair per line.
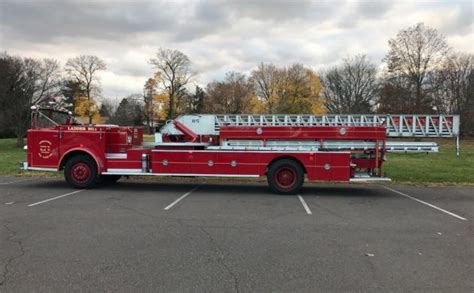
287,149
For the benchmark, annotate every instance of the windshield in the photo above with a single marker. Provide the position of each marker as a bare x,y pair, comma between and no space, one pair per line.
51,118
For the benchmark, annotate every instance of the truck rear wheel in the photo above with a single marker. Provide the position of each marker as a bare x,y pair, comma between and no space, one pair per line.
285,176
81,172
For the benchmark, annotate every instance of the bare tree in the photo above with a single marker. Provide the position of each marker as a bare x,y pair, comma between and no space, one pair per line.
84,69
351,87
265,79
453,81
48,80
173,72
17,79
454,84
394,97
23,82
230,96
413,53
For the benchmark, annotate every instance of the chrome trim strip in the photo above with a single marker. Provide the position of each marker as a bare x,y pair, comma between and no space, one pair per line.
153,144
116,156
42,169
178,174
254,151
370,179
118,170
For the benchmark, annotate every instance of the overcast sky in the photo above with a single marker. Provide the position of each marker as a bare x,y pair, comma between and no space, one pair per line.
219,36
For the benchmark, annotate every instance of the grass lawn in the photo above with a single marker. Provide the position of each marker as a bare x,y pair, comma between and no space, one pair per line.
435,168
10,156
443,167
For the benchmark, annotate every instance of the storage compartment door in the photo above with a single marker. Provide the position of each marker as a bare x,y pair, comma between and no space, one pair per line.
332,166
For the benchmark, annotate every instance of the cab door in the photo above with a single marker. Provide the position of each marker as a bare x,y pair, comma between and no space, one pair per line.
43,147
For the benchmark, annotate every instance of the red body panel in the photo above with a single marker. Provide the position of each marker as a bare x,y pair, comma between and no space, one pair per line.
47,147
249,163
88,139
332,166
132,161
302,132
43,148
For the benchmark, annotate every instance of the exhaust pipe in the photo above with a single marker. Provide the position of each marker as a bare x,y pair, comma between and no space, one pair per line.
145,164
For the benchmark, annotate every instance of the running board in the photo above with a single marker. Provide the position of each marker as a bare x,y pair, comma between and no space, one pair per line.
369,179
25,167
123,172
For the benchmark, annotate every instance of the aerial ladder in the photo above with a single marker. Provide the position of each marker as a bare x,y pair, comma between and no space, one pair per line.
406,126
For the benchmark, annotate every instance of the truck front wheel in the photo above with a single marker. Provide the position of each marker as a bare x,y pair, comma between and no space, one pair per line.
81,172
285,176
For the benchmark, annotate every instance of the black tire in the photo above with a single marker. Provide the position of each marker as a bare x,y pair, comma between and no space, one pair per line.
285,176
109,179
80,172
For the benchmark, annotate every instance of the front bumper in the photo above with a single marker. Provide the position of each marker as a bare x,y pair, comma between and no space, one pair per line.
23,166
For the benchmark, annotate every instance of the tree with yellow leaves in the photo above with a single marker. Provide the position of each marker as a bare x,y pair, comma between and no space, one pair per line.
88,109
295,89
264,79
257,105
162,105
149,92
298,90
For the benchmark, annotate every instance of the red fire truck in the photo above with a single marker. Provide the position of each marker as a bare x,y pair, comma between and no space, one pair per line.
284,148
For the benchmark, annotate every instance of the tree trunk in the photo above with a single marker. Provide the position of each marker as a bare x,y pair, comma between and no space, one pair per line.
419,108
21,126
20,133
19,141
89,104
170,109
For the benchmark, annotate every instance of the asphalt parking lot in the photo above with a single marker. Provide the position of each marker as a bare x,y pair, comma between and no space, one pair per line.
217,236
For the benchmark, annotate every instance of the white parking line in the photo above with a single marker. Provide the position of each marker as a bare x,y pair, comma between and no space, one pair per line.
180,198
53,198
306,207
10,182
425,203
